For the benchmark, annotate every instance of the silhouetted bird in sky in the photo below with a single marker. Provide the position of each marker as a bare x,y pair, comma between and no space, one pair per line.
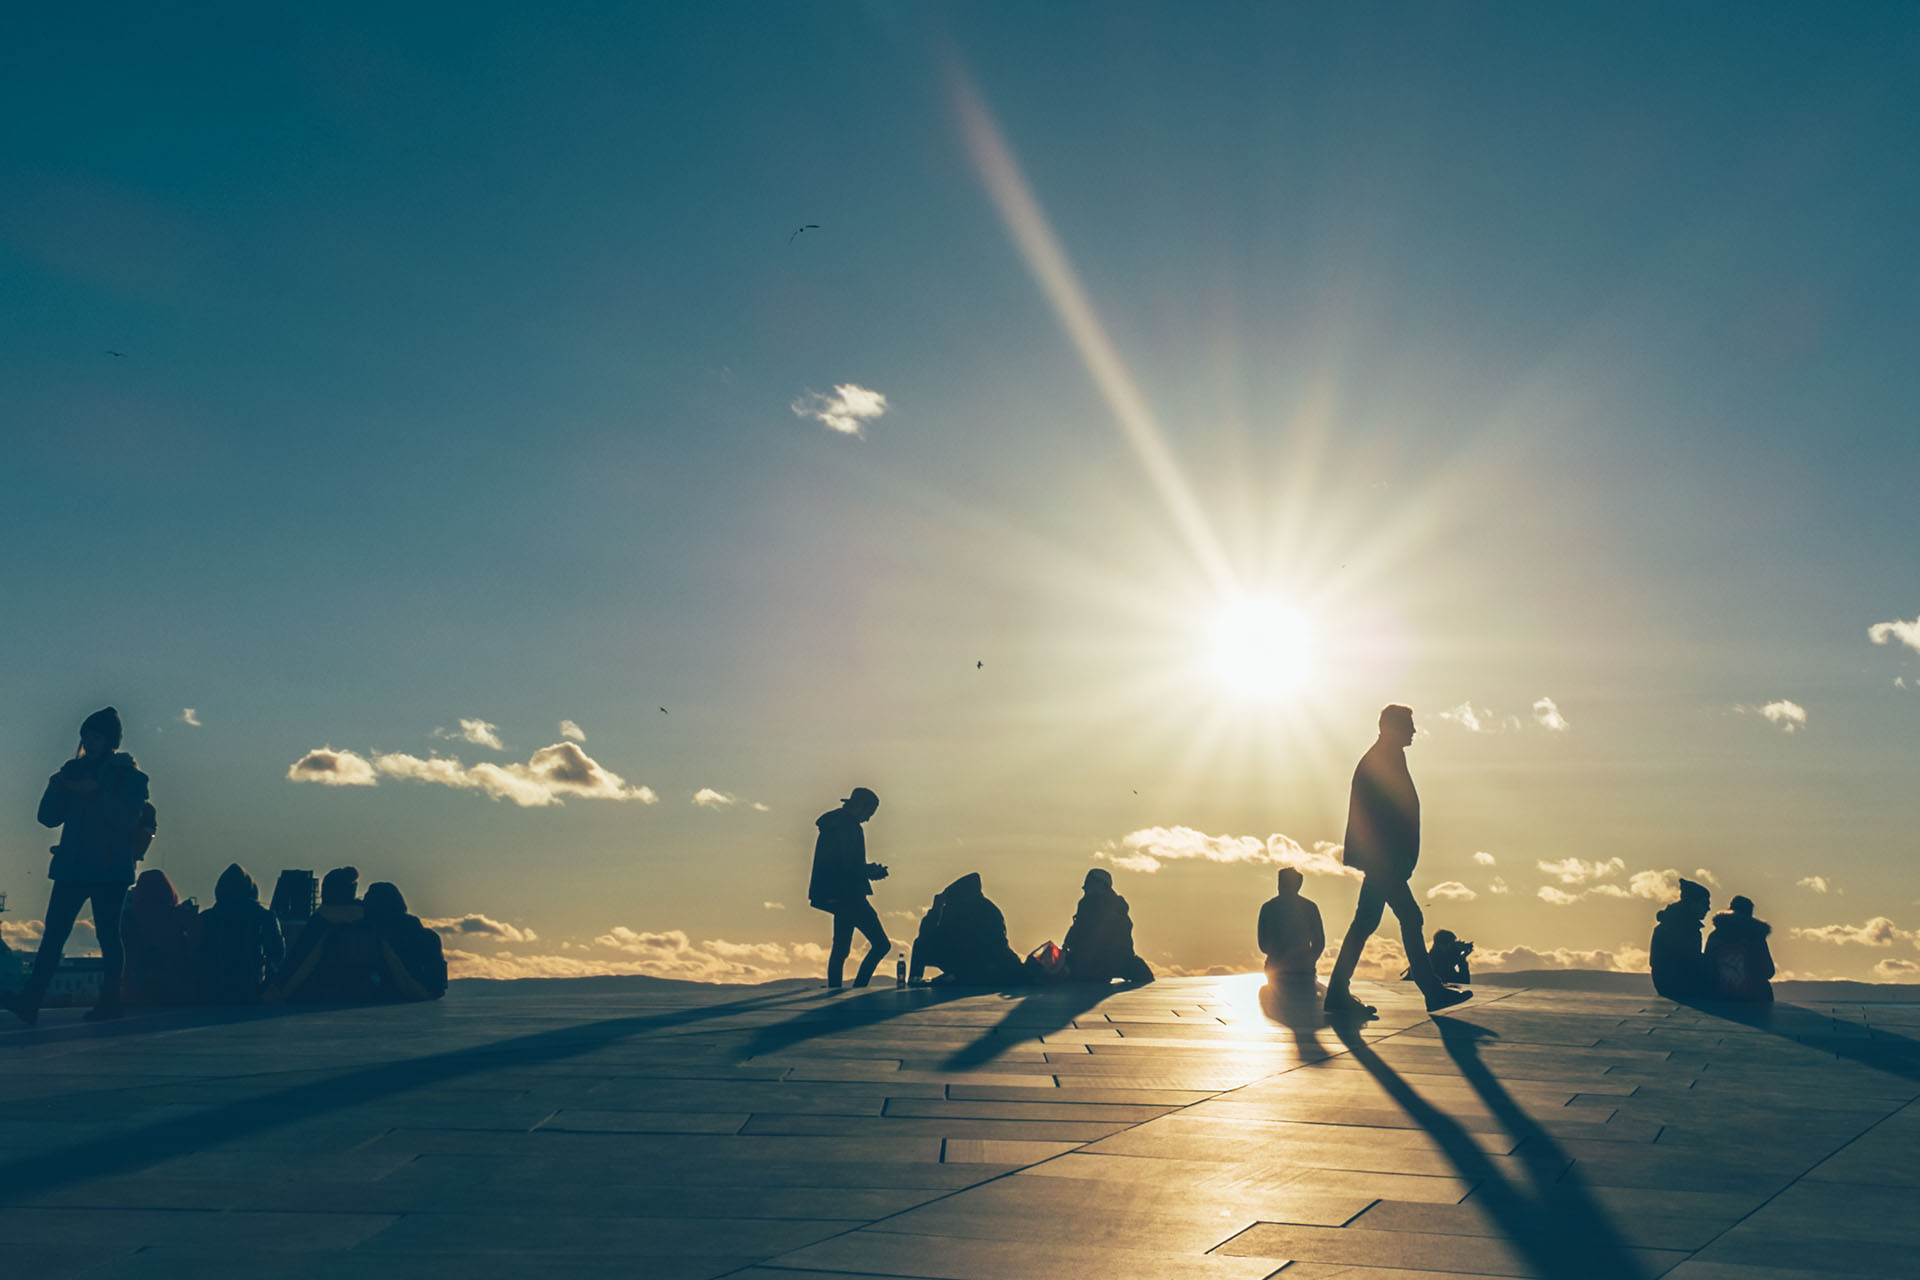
978,665
811,226
121,354
663,711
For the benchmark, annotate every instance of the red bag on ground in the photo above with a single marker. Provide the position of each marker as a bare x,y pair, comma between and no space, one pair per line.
1047,963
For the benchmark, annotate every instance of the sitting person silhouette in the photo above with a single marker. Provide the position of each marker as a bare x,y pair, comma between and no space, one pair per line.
240,942
1680,971
1737,955
336,959
160,934
1448,955
965,937
1291,936
415,965
1099,946
842,884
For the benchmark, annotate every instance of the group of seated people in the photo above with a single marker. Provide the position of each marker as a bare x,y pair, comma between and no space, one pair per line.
964,936
1735,963
350,951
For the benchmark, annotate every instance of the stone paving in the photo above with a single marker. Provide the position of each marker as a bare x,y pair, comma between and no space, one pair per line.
1194,1129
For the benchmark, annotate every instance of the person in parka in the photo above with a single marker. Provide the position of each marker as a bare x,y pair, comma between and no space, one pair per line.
240,940
1099,945
98,799
416,963
842,884
1737,955
336,958
161,936
965,937
1679,969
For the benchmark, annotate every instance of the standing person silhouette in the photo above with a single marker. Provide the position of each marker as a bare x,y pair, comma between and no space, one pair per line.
842,883
99,800
1383,844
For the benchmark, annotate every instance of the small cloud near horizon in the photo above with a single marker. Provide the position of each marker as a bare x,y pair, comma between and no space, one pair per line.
479,732
1147,849
846,411
331,768
708,798
550,776
1878,931
572,732
1547,715
1451,891
1783,713
1818,884
189,716
473,923
1483,858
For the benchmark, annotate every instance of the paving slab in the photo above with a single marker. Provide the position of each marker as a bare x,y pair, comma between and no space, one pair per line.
1180,1130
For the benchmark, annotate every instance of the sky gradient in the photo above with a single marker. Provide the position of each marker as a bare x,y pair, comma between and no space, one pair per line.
1552,366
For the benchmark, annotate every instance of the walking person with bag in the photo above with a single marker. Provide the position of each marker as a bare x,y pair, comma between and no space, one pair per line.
842,884
99,801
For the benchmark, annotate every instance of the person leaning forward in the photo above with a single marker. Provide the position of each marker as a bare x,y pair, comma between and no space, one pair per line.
842,884
1383,844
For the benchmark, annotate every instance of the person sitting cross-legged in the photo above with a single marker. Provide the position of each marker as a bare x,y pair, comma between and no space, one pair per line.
965,937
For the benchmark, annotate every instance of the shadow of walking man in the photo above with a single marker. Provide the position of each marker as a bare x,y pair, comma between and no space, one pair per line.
1553,1223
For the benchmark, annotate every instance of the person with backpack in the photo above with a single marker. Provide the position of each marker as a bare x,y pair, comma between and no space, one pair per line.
842,884
98,799
240,941
161,936
337,958
1738,958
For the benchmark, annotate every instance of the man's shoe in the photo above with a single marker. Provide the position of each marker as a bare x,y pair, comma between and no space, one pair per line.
18,1006
1346,1006
104,1012
1446,998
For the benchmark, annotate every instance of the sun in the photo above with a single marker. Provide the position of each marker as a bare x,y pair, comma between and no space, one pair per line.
1261,649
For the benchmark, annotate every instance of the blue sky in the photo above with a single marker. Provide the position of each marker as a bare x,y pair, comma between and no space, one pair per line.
1531,353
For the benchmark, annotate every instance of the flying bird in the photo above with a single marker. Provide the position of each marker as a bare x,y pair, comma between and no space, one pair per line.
978,665
121,354
663,711
811,226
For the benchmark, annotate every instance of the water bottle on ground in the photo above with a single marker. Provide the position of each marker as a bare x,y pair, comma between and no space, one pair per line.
900,971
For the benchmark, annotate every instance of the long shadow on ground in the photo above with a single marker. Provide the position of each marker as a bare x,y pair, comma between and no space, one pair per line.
1555,1223
1880,1049
849,1013
1040,1012
164,1139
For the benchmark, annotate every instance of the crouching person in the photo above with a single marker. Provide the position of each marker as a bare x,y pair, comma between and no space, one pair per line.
1099,946
1738,955
965,937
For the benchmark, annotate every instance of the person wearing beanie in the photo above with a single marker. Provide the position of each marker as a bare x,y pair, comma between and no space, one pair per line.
1099,943
240,940
842,884
1290,933
98,799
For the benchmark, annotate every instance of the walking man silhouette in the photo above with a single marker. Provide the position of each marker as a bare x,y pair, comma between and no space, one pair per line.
1383,844
842,884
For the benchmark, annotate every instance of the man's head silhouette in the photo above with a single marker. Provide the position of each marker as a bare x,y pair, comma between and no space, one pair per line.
1396,724
1291,880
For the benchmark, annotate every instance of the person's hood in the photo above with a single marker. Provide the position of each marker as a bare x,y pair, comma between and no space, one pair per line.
1679,914
1740,926
967,886
154,892
341,913
235,887
384,901
1099,880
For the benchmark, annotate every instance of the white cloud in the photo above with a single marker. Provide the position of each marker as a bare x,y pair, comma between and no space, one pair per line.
332,768
757,807
708,798
1499,886
1819,884
1146,849
189,716
1580,871
1790,716
1876,932
1625,958
1907,633
1451,891
1467,718
475,924
1557,897
847,410
572,732
671,954
773,906
1893,969
1484,859
551,775
1706,877
479,732
1547,716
